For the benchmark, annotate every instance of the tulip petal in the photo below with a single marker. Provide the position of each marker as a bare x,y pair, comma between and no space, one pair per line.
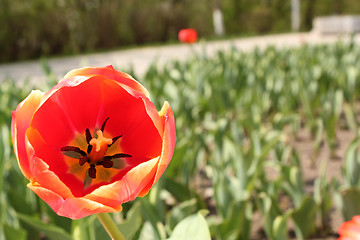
69,110
49,168
350,229
169,139
20,122
168,145
140,137
48,179
128,187
356,219
124,79
154,116
74,208
141,178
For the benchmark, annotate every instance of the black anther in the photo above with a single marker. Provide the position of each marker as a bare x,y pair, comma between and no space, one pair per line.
74,149
115,139
103,125
92,171
107,163
88,136
89,148
83,160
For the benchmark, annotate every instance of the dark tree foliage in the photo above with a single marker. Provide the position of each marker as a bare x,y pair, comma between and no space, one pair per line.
31,29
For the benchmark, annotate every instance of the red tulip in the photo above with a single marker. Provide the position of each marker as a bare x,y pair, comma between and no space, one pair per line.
92,142
350,230
188,35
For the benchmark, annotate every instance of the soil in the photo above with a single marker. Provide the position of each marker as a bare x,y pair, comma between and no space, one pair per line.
311,164
311,167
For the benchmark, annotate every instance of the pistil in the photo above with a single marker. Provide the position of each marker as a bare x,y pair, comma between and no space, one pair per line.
99,146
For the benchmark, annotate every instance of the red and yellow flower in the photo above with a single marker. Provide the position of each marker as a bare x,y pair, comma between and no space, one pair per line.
350,230
92,142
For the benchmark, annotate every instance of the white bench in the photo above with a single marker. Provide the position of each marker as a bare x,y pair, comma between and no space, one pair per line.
337,24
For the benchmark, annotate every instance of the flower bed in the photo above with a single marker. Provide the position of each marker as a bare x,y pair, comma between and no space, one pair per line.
270,135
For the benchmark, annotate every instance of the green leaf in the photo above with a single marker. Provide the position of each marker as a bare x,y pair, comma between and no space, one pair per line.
323,192
4,151
51,231
279,228
350,203
14,233
132,223
351,121
148,232
150,213
237,224
180,191
305,218
271,210
180,211
293,183
193,227
79,230
352,164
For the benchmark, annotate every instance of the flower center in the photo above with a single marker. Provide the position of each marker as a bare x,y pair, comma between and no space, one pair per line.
99,146
95,156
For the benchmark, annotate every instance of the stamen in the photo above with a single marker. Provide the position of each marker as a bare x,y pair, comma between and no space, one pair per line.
118,155
88,139
106,163
88,135
89,148
103,125
92,171
83,160
67,149
115,139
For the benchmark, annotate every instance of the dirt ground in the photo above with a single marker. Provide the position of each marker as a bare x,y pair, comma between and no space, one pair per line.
311,168
311,164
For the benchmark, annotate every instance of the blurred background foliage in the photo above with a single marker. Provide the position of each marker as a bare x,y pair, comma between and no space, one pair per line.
30,29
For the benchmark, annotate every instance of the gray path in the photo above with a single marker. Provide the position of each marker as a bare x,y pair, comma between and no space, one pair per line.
141,58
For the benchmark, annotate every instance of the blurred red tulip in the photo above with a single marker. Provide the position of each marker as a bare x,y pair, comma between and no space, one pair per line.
188,35
92,142
350,230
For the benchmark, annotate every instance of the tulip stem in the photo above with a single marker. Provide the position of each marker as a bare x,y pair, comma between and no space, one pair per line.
110,226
